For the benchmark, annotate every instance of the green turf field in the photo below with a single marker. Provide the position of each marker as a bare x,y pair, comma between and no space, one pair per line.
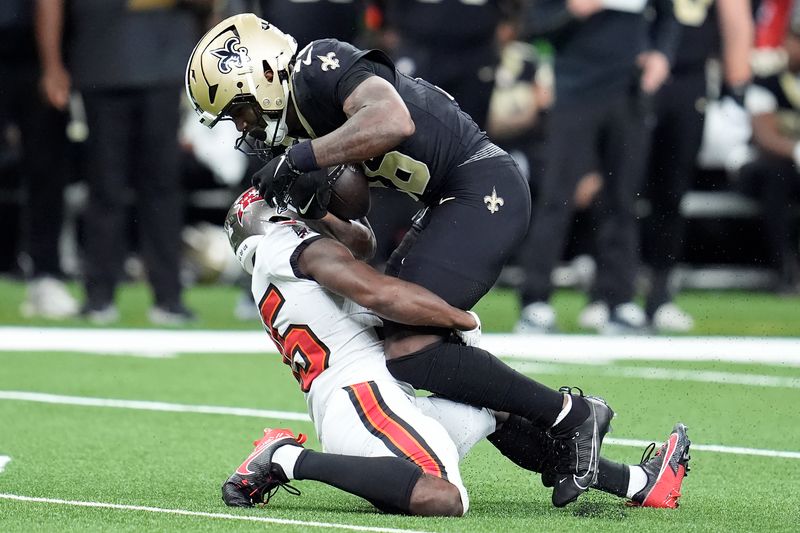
81,458
716,313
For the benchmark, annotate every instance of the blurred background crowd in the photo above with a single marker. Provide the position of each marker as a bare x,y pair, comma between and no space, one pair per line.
661,140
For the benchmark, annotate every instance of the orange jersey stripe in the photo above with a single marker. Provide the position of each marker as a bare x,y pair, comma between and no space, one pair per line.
392,430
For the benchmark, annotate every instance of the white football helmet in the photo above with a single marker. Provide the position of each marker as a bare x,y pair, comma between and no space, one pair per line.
243,60
247,222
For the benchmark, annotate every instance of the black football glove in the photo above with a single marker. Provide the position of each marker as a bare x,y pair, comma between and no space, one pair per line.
274,180
310,194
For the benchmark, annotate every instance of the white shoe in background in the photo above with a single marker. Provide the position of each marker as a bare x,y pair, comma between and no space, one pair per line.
48,297
626,319
594,316
671,318
538,317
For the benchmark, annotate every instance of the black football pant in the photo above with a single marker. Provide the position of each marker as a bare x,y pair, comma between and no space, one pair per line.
43,157
609,135
775,183
676,142
133,142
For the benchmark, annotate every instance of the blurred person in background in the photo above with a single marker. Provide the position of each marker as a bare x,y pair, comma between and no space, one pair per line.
31,100
774,177
610,59
127,58
307,21
450,43
709,28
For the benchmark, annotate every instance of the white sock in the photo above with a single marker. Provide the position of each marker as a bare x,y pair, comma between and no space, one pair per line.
564,410
637,479
286,457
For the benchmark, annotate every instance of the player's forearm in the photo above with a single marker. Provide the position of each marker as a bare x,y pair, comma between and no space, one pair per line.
411,304
737,29
371,132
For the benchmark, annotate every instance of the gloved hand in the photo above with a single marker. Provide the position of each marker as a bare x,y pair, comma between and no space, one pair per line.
310,194
471,337
274,180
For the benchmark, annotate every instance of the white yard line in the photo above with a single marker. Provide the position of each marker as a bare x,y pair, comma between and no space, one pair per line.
555,348
151,406
289,415
665,374
222,516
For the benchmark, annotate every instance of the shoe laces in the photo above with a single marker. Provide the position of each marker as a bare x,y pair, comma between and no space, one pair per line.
568,390
266,495
648,453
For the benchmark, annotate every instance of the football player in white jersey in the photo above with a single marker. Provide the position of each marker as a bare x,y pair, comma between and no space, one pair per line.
319,304
411,446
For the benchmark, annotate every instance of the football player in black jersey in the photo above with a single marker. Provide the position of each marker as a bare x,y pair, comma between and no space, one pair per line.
411,136
678,134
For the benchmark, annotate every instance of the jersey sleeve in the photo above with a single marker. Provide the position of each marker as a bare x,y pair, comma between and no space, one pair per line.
316,77
278,252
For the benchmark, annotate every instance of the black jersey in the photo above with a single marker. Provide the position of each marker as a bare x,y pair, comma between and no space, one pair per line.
700,37
444,138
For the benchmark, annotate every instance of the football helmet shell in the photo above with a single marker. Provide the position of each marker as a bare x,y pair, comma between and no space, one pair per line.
247,221
228,66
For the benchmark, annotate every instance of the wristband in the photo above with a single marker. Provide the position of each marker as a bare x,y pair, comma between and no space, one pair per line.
301,157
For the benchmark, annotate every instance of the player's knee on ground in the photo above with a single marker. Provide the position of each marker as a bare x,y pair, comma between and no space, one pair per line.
433,496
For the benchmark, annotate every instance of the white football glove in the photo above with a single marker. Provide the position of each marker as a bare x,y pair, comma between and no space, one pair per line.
471,337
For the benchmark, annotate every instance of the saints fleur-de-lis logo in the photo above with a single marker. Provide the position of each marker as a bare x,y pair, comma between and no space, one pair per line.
232,54
329,61
493,202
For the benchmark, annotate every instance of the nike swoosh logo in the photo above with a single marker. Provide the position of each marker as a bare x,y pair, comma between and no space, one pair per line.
671,445
244,468
443,200
307,60
592,459
304,210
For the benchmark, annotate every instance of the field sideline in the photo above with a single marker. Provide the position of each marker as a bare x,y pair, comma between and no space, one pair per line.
102,436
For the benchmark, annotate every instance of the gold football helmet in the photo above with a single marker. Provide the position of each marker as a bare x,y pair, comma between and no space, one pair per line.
243,60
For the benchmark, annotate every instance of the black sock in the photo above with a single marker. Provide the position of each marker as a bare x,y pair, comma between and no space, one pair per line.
470,375
612,477
577,414
523,443
386,482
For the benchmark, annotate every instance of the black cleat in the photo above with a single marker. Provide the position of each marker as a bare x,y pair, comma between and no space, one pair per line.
580,456
257,478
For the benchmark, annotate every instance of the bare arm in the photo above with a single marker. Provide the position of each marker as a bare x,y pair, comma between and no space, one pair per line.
358,238
377,121
769,138
49,30
737,29
335,268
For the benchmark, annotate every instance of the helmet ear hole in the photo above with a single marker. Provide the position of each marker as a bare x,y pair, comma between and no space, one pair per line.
268,72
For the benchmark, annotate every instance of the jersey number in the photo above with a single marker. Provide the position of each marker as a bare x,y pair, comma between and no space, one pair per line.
692,12
403,172
305,354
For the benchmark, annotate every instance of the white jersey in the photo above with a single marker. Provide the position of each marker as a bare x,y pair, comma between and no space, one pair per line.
335,354
328,341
